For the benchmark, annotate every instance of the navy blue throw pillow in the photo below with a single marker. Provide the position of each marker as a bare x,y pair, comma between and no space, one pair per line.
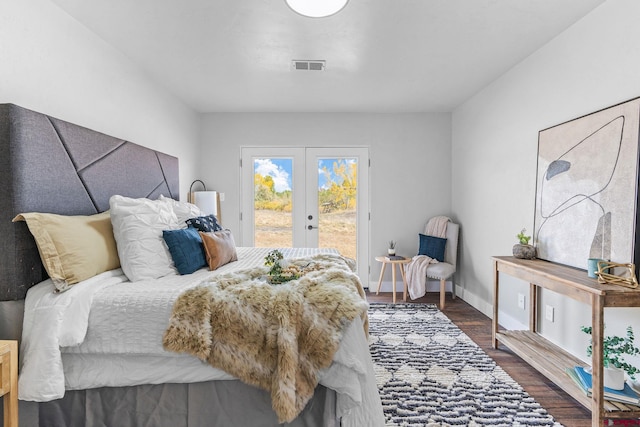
432,246
185,246
205,224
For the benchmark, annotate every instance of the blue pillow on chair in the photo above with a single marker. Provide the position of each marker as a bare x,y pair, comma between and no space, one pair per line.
185,246
432,246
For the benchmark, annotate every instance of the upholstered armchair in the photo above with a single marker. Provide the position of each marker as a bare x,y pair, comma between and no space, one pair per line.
444,271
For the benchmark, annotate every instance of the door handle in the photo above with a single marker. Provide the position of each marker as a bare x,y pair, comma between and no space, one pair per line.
311,227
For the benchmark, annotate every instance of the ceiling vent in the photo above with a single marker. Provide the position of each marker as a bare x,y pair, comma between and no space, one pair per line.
309,65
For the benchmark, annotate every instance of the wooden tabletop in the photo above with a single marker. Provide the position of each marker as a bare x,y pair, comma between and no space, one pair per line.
569,276
393,261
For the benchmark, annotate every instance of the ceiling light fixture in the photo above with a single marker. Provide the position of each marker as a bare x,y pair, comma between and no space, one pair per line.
316,8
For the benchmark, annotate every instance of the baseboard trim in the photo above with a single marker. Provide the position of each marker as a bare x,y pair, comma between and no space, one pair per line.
470,298
432,286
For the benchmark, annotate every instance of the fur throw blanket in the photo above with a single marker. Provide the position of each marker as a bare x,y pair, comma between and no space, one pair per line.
275,337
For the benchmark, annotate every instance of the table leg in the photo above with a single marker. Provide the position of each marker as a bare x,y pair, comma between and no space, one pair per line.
9,377
404,281
494,321
597,380
384,265
533,307
393,280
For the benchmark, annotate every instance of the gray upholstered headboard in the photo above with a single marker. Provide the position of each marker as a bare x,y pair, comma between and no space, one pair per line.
49,165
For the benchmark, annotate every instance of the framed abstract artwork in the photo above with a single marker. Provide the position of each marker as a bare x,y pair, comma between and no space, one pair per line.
587,188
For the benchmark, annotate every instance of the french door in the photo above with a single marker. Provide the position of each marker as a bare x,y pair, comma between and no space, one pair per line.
307,197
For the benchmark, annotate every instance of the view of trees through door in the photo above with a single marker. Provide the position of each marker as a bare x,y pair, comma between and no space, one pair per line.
273,204
307,197
336,200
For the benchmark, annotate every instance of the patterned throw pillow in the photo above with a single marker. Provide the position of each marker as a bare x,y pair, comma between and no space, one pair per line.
206,224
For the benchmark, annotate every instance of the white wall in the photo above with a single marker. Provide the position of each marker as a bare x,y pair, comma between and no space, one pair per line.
52,64
592,65
410,163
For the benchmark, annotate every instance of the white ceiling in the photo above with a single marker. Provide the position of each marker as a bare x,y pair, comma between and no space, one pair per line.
381,55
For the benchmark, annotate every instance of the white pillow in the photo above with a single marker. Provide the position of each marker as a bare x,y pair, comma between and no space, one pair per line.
137,228
183,210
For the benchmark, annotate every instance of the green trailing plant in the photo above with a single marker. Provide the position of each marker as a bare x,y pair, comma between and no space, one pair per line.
613,350
277,274
522,238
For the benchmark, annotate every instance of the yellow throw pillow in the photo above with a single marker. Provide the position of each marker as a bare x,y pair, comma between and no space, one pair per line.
73,248
219,247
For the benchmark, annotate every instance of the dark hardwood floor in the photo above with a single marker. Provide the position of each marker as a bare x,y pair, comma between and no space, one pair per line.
477,326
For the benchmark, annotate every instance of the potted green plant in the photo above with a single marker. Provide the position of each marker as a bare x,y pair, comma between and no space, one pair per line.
614,348
523,249
392,247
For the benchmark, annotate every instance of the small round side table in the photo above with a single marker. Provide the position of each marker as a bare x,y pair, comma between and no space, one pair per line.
400,263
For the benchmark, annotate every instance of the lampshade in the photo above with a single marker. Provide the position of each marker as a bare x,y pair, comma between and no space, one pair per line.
207,201
316,8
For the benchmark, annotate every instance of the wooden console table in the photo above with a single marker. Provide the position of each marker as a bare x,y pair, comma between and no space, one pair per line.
548,358
9,381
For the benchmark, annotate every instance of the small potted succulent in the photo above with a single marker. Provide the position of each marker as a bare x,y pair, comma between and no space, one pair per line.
392,247
613,350
523,249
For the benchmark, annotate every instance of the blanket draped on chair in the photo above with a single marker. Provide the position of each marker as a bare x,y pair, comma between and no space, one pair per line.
275,337
416,270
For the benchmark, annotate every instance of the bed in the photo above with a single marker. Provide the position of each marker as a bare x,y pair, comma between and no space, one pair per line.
105,353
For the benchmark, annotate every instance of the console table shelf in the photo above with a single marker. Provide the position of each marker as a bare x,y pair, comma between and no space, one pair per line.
548,358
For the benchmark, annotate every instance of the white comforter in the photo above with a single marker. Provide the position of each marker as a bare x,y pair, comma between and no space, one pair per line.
107,331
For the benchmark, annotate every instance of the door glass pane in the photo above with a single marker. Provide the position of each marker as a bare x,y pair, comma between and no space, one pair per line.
337,197
272,202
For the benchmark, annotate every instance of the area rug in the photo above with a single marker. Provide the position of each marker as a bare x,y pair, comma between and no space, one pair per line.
429,373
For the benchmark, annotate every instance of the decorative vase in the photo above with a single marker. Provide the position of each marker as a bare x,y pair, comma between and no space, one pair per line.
613,378
524,251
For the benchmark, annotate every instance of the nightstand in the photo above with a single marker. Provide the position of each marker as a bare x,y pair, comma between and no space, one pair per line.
9,381
393,262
